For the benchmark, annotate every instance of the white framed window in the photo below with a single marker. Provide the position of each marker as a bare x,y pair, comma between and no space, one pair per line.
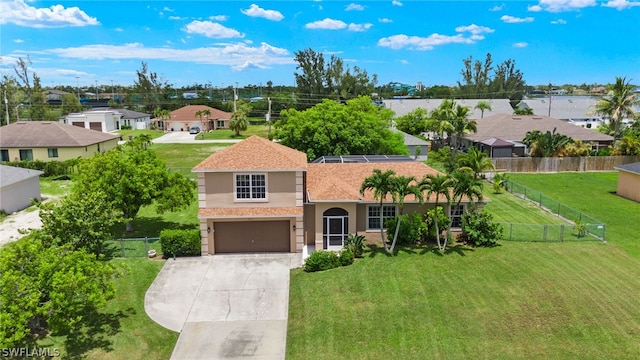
373,215
250,187
456,212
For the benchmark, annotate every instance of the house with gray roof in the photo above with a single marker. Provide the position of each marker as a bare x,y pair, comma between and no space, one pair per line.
629,181
576,110
17,187
514,128
404,106
417,147
49,140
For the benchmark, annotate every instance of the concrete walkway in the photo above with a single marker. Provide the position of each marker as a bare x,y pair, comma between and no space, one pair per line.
225,306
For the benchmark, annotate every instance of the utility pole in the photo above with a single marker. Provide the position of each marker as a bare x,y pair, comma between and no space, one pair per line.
6,105
269,114
78,87
97,90
112,95
550,92
235,98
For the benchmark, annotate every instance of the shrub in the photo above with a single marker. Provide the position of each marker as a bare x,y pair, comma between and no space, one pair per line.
412,229
50,168
355,243
180,242
430,222
346,257
479,229
125,127
321,260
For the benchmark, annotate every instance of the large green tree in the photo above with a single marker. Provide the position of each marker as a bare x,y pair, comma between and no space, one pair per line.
333,128
133,176
148,88
478,81
70,104
618,104
414,123
54,289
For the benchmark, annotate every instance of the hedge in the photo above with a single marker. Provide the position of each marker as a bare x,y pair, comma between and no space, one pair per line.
180,242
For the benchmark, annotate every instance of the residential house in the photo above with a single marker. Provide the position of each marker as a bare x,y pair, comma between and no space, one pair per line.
47,140
417,147
189,116
514,128
18,187
576,110
629,181
404,106
261,196
108,119
54,95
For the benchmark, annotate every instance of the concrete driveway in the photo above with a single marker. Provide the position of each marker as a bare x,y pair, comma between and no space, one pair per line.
183,137
225,306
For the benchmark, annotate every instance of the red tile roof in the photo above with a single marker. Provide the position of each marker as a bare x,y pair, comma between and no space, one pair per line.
254,153
251,212
341,182
188,113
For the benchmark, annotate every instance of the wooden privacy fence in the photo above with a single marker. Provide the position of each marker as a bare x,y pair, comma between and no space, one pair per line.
562,164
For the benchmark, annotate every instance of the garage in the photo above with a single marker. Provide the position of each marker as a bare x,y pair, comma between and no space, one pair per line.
253,236
95,126
177,126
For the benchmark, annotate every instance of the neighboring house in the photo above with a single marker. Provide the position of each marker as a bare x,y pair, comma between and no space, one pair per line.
108,119
137,120
47,140
404,106
514,128
413,144
185,118
260,196
629,181
54,95
17,187
576,110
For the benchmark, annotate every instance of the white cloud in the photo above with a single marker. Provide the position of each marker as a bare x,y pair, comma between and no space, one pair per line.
219,17
404,62
558,22
118,29
497,7
512,19
385,20
621,4
430,42
354,7
173,17
256,11
168,9
561,5
211,30
238,56
396,3
359,27
520,45
18,41
19,13
326,24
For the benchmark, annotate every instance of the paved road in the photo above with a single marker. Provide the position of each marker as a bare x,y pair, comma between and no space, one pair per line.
225,306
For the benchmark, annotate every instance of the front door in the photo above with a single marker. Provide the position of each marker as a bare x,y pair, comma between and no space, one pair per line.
336,231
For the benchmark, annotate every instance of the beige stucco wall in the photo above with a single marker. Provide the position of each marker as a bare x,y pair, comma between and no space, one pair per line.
64,153
629,185
310,224
284,189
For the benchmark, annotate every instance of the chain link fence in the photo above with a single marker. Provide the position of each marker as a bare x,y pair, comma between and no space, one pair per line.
133,247
547,232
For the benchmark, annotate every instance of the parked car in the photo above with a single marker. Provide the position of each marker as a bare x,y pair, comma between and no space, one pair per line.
194,130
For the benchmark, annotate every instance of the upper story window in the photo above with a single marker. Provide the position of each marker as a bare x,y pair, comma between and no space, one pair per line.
53,153
251,186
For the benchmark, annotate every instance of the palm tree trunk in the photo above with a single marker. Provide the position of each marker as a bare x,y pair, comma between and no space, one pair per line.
395,236
384,243
435,219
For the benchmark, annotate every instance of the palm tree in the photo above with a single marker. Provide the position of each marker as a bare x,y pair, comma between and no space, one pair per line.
461,124
380,184
548,144
475,160
238,121
465,184
482,106
438,185
401,187
619,104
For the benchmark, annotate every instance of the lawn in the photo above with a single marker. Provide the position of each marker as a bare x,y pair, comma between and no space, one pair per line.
525,300
124,330
223,134
183,157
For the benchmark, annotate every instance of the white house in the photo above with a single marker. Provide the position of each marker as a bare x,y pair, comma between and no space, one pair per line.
107,119
17,187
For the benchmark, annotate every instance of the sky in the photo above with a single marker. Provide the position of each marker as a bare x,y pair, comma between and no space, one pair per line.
221,43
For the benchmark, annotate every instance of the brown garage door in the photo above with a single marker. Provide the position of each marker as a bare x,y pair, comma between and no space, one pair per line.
251,236
95,126
78,124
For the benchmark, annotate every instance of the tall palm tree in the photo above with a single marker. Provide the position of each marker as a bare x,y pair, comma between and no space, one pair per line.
548,144
380,184
437,185
465,184
475,160
401,187
461,124
482,106
619,104
238,122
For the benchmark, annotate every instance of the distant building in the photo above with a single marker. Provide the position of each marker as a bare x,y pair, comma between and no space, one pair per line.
108,119
17,187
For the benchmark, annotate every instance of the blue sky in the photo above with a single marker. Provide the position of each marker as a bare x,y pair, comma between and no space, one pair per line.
224,42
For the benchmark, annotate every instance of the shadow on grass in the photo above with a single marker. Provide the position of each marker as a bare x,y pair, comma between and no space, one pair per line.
459,249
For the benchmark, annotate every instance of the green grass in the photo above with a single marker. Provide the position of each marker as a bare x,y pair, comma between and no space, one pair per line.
517,301
225,134
183,157
125,332
50,187
594,194
152,133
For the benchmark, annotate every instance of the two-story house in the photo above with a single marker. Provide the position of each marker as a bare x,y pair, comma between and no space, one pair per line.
260,196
